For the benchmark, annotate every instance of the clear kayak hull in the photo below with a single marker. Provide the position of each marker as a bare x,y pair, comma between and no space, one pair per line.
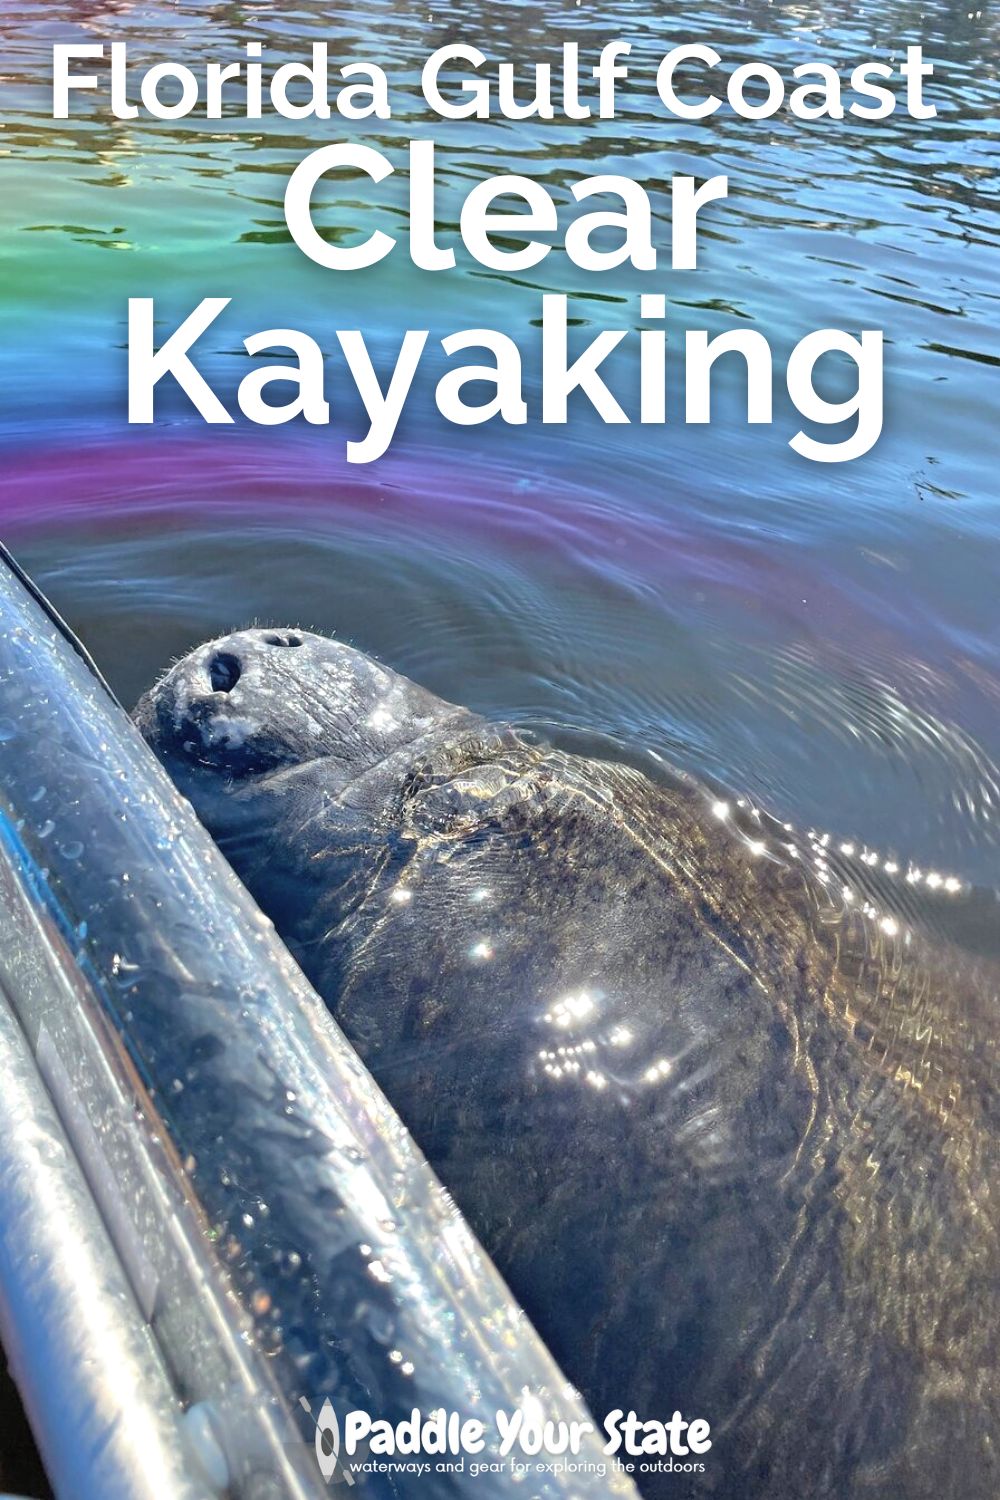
193,1153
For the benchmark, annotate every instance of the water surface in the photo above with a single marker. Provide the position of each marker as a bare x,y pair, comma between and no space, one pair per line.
822,637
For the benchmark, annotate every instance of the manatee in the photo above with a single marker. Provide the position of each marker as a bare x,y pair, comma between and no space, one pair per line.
726,1124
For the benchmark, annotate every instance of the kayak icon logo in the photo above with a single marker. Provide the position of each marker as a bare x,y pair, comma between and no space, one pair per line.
327,1440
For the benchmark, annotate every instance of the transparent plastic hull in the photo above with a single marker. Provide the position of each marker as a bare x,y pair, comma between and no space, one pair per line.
211,1222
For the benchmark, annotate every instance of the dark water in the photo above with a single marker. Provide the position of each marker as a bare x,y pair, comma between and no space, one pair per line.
822,637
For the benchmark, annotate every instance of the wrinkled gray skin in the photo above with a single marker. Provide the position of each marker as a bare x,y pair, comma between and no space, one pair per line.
732,1143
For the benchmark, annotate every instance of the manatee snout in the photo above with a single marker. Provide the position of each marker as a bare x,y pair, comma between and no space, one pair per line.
226,676
214,710
259,700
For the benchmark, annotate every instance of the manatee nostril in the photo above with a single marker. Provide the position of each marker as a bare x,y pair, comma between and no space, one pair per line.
224,672
283,640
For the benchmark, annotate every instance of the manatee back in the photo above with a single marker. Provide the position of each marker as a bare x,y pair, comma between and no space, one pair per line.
730,1137
729,1141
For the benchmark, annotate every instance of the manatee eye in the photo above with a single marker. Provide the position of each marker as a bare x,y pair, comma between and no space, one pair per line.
224,672
283,640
